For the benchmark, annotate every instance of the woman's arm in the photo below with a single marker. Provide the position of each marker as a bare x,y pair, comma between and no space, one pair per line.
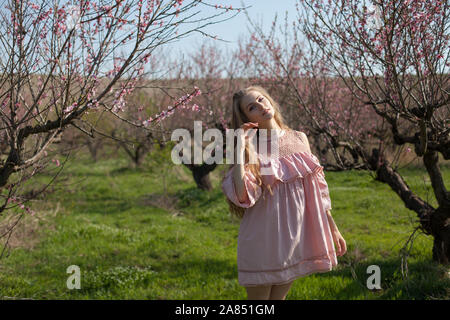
238,177
239,169
333,225
339,241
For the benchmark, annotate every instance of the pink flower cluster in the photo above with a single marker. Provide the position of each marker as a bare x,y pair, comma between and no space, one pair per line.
42,15
181,103
70,108
21,205
56,161
116,68
223,7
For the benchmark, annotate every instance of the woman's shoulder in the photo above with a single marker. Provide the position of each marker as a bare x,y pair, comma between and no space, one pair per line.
299,134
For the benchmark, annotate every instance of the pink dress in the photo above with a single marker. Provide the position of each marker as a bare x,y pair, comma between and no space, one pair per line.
286,235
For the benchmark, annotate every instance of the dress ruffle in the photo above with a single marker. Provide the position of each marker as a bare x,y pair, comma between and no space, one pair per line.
289,168
279,170
294,166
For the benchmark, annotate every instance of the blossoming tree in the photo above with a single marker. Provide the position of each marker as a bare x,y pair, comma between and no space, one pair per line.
63,59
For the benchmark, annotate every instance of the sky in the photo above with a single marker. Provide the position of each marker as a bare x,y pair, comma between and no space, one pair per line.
261,11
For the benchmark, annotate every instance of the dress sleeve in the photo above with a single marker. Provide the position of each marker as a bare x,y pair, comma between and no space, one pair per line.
324,190
323,186
253,190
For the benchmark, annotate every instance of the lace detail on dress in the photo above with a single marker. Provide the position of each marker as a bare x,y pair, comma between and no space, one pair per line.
287,143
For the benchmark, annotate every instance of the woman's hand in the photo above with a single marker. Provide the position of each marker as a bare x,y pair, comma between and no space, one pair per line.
247,136
341,246
339,242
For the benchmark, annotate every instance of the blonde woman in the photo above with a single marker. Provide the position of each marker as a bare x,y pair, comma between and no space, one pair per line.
286,229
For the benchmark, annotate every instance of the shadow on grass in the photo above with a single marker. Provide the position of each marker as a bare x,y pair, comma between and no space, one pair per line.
195,196
425,280
108,206
201,269
129,170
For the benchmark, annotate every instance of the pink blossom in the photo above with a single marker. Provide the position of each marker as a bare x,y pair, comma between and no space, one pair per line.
70,108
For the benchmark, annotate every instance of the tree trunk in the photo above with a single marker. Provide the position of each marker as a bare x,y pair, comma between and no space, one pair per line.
93,148
440,225
201,172
440,218
201,175
434,222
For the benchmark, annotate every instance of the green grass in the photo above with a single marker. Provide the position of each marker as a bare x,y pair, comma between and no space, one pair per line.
132,242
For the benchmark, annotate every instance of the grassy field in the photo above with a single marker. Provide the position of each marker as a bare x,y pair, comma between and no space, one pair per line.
149,233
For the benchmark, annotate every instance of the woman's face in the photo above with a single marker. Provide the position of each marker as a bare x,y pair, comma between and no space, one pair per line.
257,107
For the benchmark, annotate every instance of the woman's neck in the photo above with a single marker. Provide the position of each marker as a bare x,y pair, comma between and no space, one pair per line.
271,124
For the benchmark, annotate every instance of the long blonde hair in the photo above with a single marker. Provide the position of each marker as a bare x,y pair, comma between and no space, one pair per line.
237,120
